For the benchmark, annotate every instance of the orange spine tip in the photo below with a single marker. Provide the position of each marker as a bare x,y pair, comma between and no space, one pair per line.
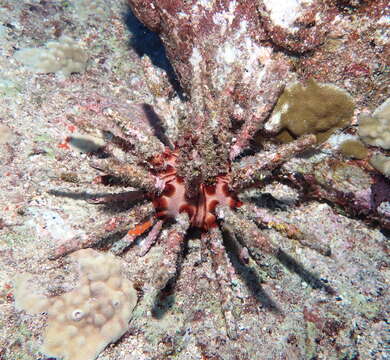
140,228
64,146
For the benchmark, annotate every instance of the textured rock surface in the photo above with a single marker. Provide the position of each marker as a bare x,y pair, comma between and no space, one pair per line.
281,312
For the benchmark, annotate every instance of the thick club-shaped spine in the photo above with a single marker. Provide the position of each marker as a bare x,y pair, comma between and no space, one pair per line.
131,175
247,230
254,169
221,265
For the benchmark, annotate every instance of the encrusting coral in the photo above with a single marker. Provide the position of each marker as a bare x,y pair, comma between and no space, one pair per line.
375,129
381,163
311,108
64,57
82,322
353,148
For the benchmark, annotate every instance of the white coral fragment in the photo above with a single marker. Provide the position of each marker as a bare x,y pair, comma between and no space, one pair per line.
375,130
82,322
64,57
284,13
381,163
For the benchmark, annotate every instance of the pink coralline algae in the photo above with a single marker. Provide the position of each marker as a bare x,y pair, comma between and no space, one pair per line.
226,57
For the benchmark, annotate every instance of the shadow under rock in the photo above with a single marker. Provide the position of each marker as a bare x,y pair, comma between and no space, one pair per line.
76,195
146,42
106,242
90,147
253,282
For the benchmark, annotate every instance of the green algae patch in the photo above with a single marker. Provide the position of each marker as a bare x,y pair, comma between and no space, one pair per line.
21,344
312,108
45,142
13,239
353,149
310,344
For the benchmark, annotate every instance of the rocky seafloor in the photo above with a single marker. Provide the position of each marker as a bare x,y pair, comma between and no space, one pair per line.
280,313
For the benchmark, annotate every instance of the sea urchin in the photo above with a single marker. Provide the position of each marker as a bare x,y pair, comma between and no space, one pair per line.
192,184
